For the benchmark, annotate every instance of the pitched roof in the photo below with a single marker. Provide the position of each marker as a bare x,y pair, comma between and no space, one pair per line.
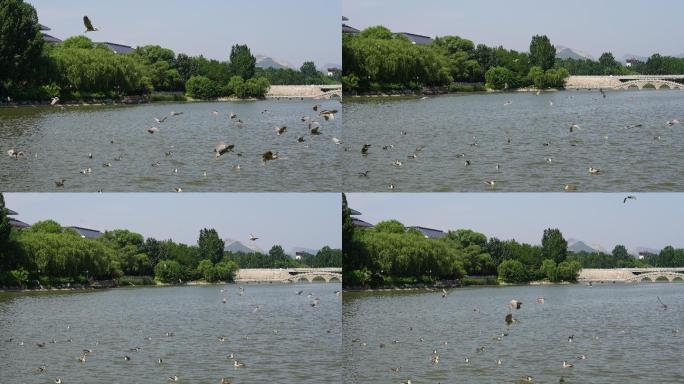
10,212
360,223
51,39
17,223
345,18
348,29
354,212
417,39
118,48
87,233
430,233
43,28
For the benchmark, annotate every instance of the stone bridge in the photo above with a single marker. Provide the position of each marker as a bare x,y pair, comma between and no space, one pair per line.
305,91
631,275
625,82
288,275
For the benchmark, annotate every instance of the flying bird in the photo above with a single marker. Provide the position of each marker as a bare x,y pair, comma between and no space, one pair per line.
88,25
280,130
630,197
252,237
223,148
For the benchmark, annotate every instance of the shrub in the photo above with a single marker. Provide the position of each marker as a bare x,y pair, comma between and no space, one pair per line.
200,87
512,271
500,78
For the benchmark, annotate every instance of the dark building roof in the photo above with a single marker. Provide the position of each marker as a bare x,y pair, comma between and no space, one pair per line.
51,39
354,212
348,29
430,233
345,18
10,212
17,223
333,69
417,39
360,223
87,233
119,48
43,28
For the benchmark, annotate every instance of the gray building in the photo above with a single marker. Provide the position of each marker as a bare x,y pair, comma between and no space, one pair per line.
358,223
430,233
119,49
417,39
14,222
87,233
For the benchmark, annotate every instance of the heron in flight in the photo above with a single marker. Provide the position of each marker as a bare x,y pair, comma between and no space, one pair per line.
252,237
88,25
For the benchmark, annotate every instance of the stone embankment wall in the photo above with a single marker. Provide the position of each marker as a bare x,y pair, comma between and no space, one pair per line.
593,82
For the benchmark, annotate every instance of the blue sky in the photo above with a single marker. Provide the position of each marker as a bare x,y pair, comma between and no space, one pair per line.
623,27
310,220
653,220
295,30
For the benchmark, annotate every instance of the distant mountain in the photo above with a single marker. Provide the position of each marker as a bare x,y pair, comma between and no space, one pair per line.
579,246
269,62
236,246
569,53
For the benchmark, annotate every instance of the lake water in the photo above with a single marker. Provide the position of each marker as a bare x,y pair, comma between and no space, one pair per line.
285,341
622,330
57,143
630,159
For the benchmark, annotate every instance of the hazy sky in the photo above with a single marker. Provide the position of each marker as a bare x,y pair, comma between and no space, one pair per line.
293,30
623,27
653,220
310,220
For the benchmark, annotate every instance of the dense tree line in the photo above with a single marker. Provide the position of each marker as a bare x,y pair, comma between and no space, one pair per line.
79,69
390,253
668,257
378,60
49,254
607,65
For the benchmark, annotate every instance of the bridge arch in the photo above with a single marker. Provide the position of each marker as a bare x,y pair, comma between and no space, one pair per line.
656,276
648,83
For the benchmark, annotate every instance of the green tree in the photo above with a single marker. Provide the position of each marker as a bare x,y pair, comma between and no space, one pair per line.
21,42
5,227
620,252
512,271
554,246
542,53
607,61
467,237
242,63
169,271
549,270
308,69
210,245
568,270
390,226
537,77
500,78
200,87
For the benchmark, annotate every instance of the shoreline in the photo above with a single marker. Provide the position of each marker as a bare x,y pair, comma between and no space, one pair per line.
194,283
437,286
430,94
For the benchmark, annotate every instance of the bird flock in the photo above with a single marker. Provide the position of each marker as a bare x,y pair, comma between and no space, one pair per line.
574,349
312,126
410,146
97,352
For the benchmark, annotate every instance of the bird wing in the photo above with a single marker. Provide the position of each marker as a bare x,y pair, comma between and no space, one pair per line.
87,23
624,200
